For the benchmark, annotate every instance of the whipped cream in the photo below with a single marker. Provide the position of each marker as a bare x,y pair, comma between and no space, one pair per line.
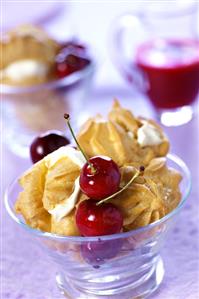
64,208
26,68
148,135
65,151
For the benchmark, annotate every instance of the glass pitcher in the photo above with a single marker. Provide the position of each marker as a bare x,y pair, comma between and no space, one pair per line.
157,50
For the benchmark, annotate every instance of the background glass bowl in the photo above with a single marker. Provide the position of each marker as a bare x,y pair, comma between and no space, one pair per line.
29,111
126,265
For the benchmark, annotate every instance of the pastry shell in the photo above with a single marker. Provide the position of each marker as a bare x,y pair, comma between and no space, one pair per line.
27,42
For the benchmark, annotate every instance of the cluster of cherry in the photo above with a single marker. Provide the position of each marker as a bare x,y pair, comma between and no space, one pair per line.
72,57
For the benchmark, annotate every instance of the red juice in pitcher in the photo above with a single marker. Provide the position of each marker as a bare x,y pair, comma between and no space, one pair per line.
171,70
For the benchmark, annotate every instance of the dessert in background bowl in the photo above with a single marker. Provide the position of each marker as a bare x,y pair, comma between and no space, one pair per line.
41,79
102,210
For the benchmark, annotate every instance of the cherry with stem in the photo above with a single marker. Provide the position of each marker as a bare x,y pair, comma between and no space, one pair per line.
100,176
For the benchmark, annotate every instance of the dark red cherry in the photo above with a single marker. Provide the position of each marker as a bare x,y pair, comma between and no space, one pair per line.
97,252
101,182
46,144
69,60
93,220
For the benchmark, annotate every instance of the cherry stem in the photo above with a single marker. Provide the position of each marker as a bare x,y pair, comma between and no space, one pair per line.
67,118
121,190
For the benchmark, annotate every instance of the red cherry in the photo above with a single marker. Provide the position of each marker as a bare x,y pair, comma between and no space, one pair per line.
70,59
96,253
46,144
103,181
93,220
100,175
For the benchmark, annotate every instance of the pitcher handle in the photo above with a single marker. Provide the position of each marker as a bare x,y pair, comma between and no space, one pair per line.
129,69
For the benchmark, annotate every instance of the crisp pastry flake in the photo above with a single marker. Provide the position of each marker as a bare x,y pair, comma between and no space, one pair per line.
141,203
48,184
147,137
167,180
100,137
29,202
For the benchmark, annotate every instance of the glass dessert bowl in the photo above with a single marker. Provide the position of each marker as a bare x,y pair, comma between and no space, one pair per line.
125,265
40,81
96,259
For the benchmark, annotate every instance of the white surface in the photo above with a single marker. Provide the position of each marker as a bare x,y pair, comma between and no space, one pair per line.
17,12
